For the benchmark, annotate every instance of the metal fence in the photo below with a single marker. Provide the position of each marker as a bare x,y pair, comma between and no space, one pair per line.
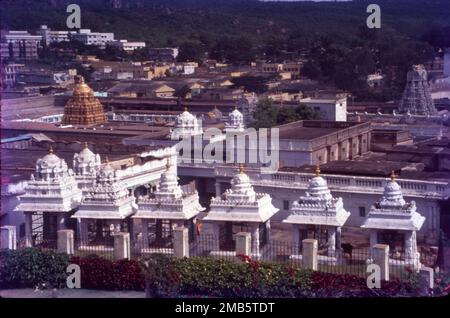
100,247
353,262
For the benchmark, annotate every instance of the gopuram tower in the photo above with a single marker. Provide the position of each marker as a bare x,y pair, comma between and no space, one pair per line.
416,98
83,108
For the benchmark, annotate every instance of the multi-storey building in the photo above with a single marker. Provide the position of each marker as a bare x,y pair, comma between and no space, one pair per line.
19,45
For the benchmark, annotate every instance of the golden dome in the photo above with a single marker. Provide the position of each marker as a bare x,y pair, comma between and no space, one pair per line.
81,88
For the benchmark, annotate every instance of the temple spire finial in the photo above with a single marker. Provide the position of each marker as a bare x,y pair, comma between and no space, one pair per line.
185,108
168,165
85,145
107,160
317,171
392,175
50,149
241,168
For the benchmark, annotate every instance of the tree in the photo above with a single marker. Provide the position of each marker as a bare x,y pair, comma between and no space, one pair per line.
289,114
265,115
191,51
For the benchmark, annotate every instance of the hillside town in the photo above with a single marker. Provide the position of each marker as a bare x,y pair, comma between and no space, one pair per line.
121,148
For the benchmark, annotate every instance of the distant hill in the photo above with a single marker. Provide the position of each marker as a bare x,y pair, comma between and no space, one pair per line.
162,22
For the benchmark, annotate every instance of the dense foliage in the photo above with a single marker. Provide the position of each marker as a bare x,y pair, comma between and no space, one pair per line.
267,115
165,276
32,268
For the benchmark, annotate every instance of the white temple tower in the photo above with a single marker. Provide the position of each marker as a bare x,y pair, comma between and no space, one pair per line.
240,209
186,125
168,207
86,165
235,123
393,217
320,213
106,208
52,190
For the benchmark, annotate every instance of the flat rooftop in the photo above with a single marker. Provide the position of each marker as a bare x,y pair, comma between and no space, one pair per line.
311,129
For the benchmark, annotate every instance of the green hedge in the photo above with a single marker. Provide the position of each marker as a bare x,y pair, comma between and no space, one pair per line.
30,268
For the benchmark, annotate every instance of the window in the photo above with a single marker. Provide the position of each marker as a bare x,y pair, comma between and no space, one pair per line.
286,205
362,211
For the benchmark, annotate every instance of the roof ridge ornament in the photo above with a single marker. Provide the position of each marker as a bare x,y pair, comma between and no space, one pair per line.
393,176
317,171
241,168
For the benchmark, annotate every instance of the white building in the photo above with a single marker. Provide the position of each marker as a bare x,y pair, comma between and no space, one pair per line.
395,222
105,210
168,207
87,37
127,46
318,215
51,195
334,109
240,209
50,36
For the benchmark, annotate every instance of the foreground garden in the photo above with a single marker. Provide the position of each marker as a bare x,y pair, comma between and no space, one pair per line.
162,276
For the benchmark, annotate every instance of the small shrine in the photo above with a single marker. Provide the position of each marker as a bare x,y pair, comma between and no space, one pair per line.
168,207
239,209
86,165
106,209
83,108
50,198
235,123
186,125
395,222
318,215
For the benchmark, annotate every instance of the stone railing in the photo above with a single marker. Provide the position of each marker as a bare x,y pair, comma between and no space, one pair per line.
355,184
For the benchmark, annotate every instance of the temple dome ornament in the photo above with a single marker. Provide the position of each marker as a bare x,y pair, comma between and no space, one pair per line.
83,108
236,121
318,206
86,162
186,125
241,188
392,195
318,187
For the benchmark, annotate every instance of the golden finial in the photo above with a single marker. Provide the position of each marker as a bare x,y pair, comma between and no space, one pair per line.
85,145
50,149
107,160
235,107
392,175
185,108
168,165
317,170
241,168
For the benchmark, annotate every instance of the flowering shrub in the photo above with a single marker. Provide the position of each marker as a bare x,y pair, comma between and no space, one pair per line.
100,273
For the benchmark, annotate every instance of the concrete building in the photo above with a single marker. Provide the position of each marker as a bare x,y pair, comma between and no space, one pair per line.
19,45
50,36
87,37
9,73
127,46
165,54
334,109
